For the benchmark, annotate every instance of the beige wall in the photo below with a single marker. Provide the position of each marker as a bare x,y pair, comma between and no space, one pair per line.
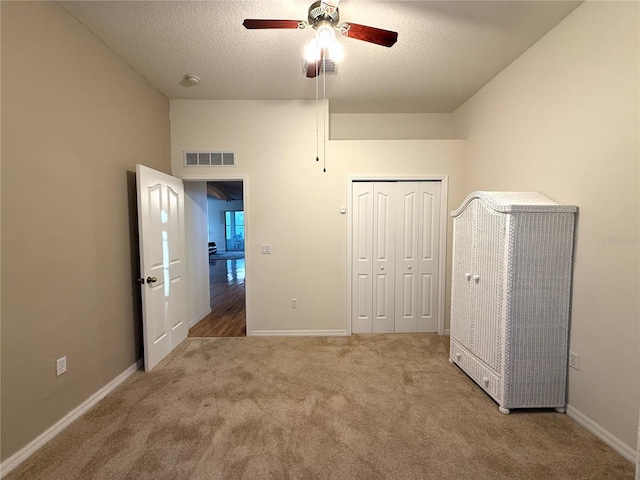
75,121
292,205
563,119
391,126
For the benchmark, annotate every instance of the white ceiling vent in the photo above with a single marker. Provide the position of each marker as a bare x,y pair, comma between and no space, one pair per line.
328,67
212,159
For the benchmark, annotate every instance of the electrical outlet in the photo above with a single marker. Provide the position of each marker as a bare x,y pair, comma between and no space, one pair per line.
574,360
294,303
61,366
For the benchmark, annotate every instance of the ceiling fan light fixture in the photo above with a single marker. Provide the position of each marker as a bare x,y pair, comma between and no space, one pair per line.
313,51
325,35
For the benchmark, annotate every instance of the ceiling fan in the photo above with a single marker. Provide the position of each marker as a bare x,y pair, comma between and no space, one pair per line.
324,17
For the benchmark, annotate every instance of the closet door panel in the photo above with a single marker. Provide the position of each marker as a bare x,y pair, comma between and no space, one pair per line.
384,215
428,255
362,258
407,228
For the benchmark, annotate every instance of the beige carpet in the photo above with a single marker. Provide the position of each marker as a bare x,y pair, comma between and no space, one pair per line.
360,407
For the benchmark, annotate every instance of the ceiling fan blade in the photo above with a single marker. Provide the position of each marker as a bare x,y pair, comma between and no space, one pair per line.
314,68
253,23
386,38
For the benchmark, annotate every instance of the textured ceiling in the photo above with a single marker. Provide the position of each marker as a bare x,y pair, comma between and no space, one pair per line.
446,50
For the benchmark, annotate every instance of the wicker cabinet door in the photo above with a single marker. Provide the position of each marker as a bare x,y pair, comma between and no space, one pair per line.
487,282
461,292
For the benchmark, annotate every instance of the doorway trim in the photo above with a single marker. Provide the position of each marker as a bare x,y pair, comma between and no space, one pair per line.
442,267
244,178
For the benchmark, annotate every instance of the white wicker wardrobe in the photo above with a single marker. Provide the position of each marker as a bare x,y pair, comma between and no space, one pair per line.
510,296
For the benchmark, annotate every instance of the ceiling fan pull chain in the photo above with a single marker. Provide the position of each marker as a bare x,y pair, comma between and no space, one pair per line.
317,122
324,115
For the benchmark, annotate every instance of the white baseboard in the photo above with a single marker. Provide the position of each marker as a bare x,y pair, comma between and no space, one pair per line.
614,442
198,317
298,333
21,455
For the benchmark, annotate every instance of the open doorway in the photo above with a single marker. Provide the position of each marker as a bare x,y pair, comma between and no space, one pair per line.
226,238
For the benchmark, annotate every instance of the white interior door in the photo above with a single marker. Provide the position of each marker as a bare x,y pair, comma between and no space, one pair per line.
162,252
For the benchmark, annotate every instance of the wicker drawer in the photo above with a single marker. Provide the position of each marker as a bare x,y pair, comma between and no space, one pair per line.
479,372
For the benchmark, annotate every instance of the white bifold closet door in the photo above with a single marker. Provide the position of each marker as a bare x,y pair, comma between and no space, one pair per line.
395,252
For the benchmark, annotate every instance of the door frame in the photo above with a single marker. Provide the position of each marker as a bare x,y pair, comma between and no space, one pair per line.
442,244
244,178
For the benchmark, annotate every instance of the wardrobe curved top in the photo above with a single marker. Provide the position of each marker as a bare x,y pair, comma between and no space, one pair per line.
515,202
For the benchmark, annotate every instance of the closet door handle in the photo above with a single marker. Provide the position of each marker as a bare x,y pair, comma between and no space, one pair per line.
381,267
468,275
476,278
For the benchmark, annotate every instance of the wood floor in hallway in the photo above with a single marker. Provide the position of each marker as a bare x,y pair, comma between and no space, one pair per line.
227,293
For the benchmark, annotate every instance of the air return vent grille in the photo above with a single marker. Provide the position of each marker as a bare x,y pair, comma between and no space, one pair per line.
212,159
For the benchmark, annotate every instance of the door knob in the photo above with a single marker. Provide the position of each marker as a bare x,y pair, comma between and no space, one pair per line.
476,278
381,267
409,267
468,275
151,279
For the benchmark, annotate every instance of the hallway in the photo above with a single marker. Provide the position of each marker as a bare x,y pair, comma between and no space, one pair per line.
227,294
